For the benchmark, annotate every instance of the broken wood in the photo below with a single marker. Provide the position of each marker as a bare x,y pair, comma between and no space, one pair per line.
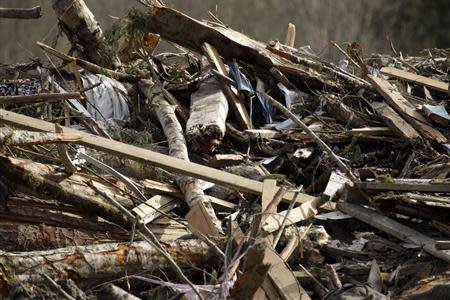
177,148
146,156
206,126
406,110
409,185
95,262
290,35
396,123
11,137
21,13
230,92
416,79
81,28
393,228
94,68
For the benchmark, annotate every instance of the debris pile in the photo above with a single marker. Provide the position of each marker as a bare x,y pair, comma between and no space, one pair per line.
226,168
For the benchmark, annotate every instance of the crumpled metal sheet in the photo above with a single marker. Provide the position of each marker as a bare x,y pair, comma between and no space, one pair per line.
108,101
356,292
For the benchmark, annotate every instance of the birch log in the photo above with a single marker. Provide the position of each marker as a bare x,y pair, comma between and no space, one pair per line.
80,27
87,264
206,126
190,187
12,137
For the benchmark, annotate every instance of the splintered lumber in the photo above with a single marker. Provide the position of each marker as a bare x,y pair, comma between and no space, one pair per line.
377,131
406,110
16,172
145,156
188,32
21,13
395,122
80,27
302,212
151,209
419,185
194,195
230,92
69,166
416,79
11,137
206,125
393,228
38,98
87,264
290,35
225,160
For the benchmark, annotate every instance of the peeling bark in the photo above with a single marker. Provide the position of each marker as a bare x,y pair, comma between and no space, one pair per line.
206,126
87,264
13,137
190,187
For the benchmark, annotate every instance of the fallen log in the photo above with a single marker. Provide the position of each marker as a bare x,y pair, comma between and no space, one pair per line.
66,194
188,32
11,137
193,193
87,265
206,125
81,28
21,13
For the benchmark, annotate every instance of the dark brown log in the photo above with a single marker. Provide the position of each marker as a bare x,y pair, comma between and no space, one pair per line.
65,194
21,13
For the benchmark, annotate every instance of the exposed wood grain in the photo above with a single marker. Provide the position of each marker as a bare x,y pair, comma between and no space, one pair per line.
406,110
416,79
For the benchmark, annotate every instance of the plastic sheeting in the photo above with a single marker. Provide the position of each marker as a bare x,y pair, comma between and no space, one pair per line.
108,101
242,82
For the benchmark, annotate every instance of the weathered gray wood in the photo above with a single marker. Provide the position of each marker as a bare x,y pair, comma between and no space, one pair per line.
146,156
416,79
419,185
396,123
188,32
393,228
406,110
230,92
27,99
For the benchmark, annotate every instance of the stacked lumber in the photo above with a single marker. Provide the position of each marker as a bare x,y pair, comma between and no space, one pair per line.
226,168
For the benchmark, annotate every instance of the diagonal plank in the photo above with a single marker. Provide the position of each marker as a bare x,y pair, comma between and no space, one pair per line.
431,83
146,156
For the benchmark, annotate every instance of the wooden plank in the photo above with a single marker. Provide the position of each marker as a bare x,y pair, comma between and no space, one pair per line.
396,123
419,185
290,35
27,99
377,131
304,211
21,13
230,92
434,84
406,110
393,228
146,156
149,210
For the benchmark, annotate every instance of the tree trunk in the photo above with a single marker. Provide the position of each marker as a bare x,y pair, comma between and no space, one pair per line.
190,187
80,27
206,126
88,264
